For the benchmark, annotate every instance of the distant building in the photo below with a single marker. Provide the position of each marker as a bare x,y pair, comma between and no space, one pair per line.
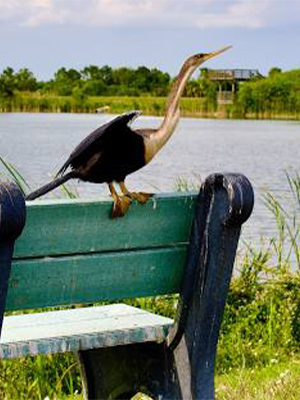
238,75
232,76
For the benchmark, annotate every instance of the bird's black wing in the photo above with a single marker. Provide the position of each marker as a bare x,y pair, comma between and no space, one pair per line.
96,137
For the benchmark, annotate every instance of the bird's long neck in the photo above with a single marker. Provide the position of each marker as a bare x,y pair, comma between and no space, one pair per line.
153,141
172,114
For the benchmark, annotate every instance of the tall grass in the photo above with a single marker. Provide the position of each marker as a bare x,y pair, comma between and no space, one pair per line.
11,173
14,175
262,317
35,102
261,325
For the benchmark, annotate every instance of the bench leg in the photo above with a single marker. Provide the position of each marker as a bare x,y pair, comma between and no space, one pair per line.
12,220
224,203
122,371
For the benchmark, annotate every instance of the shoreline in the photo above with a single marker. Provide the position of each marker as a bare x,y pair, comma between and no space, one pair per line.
289,118
191,107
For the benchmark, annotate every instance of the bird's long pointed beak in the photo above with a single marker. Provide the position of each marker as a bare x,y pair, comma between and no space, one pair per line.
217,52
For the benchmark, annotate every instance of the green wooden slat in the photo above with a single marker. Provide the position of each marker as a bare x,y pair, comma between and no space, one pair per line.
57,227
55,281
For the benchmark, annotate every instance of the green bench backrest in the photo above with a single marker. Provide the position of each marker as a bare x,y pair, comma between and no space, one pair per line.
71,251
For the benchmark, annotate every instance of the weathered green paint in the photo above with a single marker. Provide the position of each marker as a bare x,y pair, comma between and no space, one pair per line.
71,251
50,281
80,329
74,227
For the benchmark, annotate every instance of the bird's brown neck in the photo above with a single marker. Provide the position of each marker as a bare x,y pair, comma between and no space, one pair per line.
172,114
176,92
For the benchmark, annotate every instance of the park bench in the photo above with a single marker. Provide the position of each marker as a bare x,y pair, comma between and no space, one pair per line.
71,252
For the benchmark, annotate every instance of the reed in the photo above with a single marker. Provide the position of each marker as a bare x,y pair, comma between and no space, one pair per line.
36,102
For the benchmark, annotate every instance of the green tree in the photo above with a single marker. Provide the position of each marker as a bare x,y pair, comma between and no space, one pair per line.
274,71
65,81
106,74
94,88
142,79
7,83
277,94
123,76
160,82
25,80
193,89
92,72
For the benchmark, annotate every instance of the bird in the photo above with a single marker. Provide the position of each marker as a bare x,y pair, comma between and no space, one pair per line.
115,150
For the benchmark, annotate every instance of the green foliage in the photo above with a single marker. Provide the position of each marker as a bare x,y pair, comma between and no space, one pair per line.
76,91
10,82
14,175
25,80
260,316
93,81
80,102
7,84
274,71
279,94
70,90
277,381
65,81
38,377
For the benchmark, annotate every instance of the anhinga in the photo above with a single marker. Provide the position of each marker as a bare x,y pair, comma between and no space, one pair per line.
114,150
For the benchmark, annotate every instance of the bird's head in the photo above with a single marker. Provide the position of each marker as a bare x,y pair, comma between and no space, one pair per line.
197,59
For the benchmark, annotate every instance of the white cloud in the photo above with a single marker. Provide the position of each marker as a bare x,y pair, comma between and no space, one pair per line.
157,13
245,13
33,12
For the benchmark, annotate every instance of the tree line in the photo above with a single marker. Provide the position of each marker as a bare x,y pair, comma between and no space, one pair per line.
278,94
97,81
91,81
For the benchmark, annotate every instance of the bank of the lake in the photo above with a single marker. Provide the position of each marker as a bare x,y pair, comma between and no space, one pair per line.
32,102
193,107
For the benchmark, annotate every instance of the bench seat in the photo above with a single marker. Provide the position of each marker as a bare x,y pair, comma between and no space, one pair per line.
80,329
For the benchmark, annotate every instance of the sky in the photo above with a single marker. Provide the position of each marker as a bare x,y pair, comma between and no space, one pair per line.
44,35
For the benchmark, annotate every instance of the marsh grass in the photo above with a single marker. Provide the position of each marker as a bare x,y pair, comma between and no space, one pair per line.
181,184
14,175
258,351
149,105
277,381
10,172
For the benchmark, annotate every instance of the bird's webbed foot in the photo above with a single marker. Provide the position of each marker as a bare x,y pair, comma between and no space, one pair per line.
140,197
121,203
120,206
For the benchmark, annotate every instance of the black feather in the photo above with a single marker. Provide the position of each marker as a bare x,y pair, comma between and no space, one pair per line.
83,150
108,154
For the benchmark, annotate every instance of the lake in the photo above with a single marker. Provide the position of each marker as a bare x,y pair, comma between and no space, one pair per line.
38,144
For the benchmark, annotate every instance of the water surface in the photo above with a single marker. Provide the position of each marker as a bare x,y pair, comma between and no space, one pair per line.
38,144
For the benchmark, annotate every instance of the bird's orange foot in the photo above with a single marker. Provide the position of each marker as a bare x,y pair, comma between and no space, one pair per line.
141,197
120,207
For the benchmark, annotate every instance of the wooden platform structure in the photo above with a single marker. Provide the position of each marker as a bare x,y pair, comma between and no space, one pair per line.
236,75
233,76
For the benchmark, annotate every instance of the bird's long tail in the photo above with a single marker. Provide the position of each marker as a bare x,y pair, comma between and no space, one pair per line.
51,185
